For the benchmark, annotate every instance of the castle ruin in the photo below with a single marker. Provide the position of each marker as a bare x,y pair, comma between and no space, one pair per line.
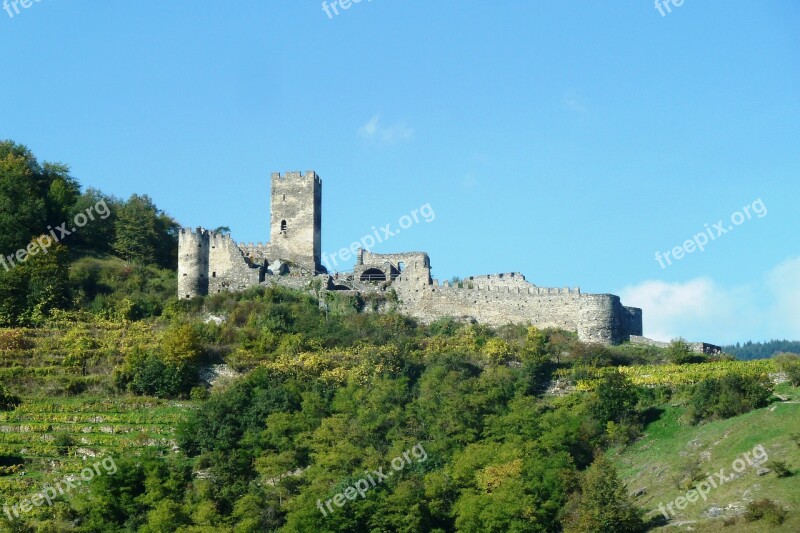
211,262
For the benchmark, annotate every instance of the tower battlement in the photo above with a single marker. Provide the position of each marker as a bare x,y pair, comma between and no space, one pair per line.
309,175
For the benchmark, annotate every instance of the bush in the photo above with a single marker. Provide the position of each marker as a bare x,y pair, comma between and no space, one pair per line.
14,339
789,364
680,353
64,443
780,468
152,374
8,401
728,396
767,510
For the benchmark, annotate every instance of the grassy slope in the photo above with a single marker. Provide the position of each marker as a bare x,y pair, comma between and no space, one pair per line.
654,462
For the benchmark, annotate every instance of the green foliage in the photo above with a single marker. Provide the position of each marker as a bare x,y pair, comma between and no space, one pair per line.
767,510
32,290
32,196
602,504
150,373
780,468
114,289
7,400
727,396
680,353
96,237
615,399
789,364
144,234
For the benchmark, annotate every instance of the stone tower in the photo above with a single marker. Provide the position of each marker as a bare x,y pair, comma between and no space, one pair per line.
193,254
296,219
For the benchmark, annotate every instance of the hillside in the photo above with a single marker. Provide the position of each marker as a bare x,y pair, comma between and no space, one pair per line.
669,452
322,397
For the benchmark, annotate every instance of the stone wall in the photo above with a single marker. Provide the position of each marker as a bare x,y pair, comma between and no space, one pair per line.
228,270
695,347
296,219
595,317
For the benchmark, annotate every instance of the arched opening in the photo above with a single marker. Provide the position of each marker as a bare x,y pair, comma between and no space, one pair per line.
401,266
373,274
283,225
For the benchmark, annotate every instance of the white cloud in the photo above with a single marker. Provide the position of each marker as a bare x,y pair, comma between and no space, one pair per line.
703,310
784,283
375,132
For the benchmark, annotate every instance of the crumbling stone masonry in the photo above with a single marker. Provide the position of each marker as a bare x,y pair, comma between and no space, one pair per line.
211,262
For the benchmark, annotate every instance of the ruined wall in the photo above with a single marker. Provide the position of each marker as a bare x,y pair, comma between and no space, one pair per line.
509,279
416,266
228,270
296,219
695,347
595,317
212,263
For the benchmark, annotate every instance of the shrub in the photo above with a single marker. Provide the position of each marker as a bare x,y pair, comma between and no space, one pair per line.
152,374
8,401
199,393
63,442
789,364
727,396
780,468
615,399
767,510
14,339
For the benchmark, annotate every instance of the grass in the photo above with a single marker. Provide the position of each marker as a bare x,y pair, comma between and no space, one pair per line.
658,461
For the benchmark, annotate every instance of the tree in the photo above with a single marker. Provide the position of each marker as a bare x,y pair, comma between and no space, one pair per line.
679,352
32,289
99,235
602,504
32,196
615,398
144,234
22,205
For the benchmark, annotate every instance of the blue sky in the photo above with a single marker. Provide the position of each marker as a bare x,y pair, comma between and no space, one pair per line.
569,141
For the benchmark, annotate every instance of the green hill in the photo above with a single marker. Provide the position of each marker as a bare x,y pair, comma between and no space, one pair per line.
669,453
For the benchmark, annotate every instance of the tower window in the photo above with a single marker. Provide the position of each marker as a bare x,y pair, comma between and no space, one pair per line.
284,197
283,225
